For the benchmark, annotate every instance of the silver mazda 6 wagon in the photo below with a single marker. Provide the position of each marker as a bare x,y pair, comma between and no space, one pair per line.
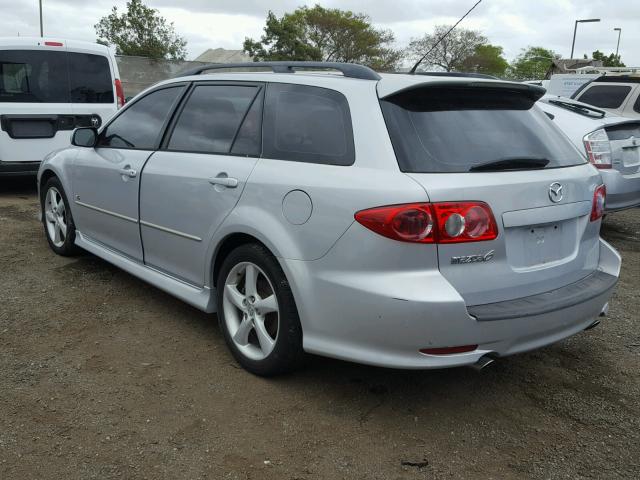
409,221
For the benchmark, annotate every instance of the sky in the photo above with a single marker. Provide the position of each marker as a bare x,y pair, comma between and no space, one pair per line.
512,24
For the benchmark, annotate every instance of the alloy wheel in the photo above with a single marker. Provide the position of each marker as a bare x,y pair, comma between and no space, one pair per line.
55,214
251,310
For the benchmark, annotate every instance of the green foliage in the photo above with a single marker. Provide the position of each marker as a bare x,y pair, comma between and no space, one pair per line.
140,31
486,59
451,53
533,63
324,34
612,60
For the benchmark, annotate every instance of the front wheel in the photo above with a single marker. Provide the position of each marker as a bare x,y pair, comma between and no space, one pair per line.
257,312
57,220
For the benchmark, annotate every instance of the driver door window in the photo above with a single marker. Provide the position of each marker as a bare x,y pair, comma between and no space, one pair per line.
139,127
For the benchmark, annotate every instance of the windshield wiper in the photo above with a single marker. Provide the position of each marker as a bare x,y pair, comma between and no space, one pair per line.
511,163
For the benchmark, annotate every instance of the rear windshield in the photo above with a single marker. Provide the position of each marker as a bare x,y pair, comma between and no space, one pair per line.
440,130
39,76
605,96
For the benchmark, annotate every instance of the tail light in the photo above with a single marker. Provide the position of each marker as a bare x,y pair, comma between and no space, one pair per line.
598,148
119,92
54,44
599,198
450,222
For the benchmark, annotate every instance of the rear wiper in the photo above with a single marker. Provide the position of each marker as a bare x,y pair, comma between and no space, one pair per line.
511,163
585,110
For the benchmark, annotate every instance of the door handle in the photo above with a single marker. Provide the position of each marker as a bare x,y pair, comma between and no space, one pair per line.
224,180
128,171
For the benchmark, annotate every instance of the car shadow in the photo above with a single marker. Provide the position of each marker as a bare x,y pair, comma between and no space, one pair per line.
18,185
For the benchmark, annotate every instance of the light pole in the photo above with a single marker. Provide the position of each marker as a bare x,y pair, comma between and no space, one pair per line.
575,28
41,29
619,30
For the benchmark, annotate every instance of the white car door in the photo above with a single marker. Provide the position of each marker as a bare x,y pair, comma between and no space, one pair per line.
106,178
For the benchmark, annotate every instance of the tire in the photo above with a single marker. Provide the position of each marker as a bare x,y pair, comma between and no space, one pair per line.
57,219
247,314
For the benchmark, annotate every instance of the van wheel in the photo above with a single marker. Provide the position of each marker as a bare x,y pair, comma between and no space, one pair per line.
57,220
257,312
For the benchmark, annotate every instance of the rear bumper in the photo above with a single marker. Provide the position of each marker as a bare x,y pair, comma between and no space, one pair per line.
623,191
363,318
18,168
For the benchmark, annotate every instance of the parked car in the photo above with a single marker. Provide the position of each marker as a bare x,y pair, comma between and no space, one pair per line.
48,87
407,221
610,142
617,94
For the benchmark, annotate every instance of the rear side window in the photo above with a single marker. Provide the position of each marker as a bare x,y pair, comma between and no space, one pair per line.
636,106
439,130
89,78
33,76
605,96
44,76
140,125
211,117
307,124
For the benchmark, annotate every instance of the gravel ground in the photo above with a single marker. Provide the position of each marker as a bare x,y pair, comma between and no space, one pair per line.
103,376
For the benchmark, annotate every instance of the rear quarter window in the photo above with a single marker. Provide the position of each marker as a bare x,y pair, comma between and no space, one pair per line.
605,96
446,130
307,124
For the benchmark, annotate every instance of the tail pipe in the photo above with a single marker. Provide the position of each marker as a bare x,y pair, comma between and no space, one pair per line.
483,361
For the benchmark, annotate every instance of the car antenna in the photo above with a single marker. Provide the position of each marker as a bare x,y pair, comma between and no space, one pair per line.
413,70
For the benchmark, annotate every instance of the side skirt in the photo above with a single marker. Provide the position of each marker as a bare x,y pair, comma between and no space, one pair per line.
202,298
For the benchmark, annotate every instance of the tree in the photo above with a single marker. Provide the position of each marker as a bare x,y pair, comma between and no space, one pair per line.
486,59
324,34
612,60
533,63
140,31
451,52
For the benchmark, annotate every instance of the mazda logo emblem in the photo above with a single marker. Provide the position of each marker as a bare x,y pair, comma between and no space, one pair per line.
556,192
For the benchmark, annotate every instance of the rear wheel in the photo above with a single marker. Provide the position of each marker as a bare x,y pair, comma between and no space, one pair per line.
57,220
257,312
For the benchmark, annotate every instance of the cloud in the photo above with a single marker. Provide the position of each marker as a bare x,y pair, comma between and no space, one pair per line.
225,23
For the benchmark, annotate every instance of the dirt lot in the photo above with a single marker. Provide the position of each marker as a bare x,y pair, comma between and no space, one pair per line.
103,376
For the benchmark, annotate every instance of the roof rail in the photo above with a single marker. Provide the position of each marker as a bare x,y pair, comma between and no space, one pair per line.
456,74
350,70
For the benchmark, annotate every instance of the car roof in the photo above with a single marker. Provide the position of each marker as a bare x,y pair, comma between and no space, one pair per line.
31,43
387,83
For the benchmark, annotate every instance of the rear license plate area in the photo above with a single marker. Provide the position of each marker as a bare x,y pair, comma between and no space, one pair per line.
537,246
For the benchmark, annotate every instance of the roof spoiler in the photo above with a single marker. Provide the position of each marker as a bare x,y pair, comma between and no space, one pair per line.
532,92
350,70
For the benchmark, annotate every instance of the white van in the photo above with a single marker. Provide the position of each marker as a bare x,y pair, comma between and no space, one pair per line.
48,87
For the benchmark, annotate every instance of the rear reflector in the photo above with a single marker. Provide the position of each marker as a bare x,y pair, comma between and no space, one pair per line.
448,222
599,199
449,350
54,44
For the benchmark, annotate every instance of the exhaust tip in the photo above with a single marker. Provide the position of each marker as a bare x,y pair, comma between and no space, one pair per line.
483,362
593,325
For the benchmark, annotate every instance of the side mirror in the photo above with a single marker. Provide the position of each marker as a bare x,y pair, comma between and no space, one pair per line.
85,137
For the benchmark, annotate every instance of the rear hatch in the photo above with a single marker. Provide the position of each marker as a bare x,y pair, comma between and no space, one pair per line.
487,142
46,91
624,139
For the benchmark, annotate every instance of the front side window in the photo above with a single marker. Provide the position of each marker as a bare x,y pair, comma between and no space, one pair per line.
33,76
211,118
307,124
90,78
605,96
140,125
